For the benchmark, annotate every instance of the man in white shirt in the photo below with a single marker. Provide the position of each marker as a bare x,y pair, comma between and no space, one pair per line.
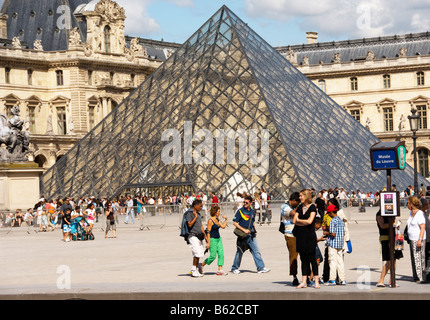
130,210
265,207
342,197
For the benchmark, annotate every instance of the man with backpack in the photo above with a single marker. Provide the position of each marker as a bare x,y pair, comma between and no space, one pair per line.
196,235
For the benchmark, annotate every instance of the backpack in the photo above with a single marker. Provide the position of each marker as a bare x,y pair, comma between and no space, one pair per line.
184,227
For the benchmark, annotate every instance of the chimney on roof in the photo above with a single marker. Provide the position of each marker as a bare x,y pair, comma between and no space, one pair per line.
312,37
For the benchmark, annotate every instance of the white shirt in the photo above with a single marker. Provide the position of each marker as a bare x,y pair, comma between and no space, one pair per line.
264,199
129,203
414,225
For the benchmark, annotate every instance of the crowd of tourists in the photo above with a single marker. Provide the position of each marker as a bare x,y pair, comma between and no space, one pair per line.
301,216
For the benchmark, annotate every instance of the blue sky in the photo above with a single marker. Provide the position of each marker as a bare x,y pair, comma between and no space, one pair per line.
279,22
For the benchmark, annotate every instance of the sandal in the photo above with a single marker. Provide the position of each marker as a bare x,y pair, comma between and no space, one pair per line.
302,285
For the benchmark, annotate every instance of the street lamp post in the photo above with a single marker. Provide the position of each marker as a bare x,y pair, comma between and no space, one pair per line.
414,120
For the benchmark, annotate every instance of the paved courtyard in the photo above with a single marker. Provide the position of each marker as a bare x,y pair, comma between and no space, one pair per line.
153,262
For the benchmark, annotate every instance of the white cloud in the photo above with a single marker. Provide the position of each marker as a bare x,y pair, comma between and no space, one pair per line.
182,3
138,22
354,18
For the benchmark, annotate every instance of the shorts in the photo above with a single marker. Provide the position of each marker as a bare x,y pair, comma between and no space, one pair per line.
197,248
66,228
110,226
44,220
385,250
90,221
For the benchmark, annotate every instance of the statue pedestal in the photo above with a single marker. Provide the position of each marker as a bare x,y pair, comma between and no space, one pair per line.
19,185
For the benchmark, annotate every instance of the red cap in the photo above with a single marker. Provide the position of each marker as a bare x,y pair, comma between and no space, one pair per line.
331,208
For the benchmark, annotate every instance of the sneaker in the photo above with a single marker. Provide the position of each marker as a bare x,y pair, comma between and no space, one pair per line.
196,274
343,283
264,270
221,273
235,271
200,268
331,283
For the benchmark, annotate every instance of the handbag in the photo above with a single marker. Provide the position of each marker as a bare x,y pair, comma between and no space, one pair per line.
349,246
400,241
282,228
240,233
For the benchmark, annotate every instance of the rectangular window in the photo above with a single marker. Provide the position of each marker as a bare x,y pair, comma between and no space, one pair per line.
8,107
388,119
356,114
354,84
7,75
321,84
422,112
60,78
423,162
32,119
90,77
387,81
30,77
61,121
91,117
420,78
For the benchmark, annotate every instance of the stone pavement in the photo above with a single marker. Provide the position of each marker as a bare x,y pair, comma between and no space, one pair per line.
154,264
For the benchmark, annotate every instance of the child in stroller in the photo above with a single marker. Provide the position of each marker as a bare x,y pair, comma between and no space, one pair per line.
83,230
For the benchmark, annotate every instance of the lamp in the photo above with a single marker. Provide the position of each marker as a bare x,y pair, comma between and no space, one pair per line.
414,120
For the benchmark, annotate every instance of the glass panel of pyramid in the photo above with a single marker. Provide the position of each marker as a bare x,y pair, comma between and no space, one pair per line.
241,118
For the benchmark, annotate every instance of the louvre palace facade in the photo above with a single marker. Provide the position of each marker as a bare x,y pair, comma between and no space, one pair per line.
68,64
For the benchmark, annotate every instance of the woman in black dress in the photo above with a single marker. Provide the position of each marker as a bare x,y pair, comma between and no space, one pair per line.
384,239
306,239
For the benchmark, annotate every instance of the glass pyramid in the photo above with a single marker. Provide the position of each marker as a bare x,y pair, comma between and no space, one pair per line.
225,78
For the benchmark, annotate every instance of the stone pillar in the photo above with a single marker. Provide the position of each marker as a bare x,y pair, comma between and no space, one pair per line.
19,185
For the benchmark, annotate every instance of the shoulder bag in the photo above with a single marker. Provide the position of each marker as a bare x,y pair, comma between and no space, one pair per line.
240,233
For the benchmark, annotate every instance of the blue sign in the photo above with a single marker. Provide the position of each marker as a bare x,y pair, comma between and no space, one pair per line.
384,159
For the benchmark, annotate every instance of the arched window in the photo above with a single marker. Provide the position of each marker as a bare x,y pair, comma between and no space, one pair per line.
423,162
41,160
107,39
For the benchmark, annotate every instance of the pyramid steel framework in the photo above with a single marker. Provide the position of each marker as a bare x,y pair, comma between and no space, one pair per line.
224,77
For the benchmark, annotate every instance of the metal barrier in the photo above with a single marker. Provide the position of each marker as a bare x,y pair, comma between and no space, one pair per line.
149,217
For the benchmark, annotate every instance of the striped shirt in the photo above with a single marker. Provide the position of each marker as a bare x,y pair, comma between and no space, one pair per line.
337,226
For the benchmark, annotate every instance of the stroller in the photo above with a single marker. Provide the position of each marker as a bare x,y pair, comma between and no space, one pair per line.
78,230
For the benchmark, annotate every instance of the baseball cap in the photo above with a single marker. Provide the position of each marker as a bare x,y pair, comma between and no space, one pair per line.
331,208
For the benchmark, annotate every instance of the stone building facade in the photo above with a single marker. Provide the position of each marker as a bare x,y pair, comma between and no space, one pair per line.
377,80
68,66
66,86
